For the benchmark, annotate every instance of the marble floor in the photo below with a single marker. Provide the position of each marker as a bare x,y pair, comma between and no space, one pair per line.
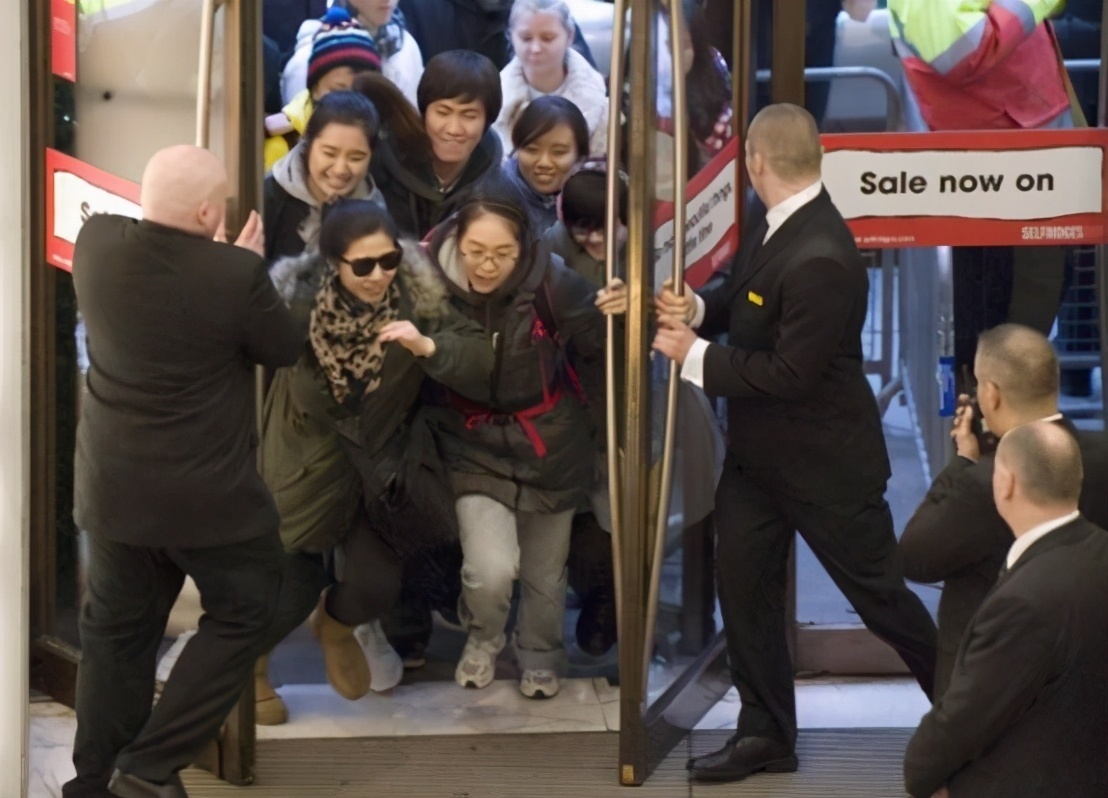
584,705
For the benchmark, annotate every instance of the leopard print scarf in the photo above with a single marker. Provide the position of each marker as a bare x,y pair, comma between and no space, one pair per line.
343,335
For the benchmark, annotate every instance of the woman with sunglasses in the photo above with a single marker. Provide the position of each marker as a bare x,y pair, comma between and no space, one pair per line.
346,452
522,461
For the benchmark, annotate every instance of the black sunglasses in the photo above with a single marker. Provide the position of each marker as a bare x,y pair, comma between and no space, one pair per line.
363,266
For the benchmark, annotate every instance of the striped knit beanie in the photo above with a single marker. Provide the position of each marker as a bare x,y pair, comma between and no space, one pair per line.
341,42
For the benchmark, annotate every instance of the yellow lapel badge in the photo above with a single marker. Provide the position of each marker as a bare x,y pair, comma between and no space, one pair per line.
755,298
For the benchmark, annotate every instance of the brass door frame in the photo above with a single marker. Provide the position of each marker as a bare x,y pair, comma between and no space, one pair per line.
635,511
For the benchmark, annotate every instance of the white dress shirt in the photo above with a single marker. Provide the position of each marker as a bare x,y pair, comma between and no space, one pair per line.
693,369
1031,536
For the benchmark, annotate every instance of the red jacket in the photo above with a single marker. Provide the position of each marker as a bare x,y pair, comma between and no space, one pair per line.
1000,74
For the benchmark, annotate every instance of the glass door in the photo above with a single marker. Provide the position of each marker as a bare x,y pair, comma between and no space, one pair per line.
681,153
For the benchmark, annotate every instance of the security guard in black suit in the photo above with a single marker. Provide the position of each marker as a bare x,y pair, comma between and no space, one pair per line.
806,451
956,535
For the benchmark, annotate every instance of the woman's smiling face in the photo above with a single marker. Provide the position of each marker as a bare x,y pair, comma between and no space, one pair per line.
369,288
545,162
338,161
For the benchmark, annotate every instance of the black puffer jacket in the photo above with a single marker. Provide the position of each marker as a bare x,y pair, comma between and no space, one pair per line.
534,462
411,191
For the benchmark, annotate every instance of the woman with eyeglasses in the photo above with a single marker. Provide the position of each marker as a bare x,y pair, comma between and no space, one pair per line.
579,237
346,452
522,461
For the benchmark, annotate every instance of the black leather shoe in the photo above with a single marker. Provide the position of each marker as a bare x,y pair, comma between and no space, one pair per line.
742,756
124,785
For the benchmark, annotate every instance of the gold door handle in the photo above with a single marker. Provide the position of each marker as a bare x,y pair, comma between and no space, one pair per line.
611,244
680,179
204,79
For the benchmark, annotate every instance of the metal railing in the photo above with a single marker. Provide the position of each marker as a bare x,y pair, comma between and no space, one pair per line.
1082,65
893,106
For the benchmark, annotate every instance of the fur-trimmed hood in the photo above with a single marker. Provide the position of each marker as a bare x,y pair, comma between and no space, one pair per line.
299,277
583,86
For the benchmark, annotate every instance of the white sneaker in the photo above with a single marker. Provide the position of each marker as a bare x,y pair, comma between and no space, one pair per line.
385,667
477,666
539,684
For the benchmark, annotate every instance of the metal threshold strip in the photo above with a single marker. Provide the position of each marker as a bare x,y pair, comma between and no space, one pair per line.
865,763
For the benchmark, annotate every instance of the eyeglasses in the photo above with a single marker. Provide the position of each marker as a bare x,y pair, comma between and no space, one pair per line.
502,261
363,266
586,229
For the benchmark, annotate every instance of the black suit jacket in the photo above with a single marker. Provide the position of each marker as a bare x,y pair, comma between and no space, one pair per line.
1026,713
166,440
802,418
956,536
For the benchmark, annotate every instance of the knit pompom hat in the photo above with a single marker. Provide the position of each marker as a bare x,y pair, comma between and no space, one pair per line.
341,42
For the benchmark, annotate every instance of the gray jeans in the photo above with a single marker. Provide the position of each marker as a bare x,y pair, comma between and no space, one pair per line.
499,545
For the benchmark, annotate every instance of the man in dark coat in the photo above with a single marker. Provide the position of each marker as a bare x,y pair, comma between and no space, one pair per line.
806,450
956,535
165,478
1026,712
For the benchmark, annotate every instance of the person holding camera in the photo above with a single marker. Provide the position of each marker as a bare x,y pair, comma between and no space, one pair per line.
1024,715
956,535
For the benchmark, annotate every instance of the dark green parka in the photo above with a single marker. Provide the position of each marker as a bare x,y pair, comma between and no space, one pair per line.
320,458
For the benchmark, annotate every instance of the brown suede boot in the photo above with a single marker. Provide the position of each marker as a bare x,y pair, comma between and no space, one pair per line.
347,669
269,708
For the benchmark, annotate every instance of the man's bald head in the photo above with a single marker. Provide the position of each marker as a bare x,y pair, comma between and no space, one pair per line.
185,187
1045,462
788,138
1022,363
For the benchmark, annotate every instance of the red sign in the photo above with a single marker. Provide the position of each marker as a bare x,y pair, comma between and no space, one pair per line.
74,192
63,38
711,234
980,188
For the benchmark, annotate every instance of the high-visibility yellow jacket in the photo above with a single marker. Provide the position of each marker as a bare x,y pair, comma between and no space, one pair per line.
981,64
